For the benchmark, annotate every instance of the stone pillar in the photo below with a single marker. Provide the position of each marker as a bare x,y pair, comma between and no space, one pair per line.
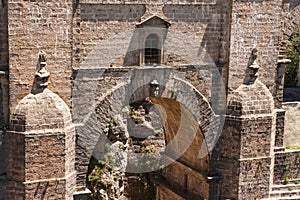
279,81
243,155
280,116
41,145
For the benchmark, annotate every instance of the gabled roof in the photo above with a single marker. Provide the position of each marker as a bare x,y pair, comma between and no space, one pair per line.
154,21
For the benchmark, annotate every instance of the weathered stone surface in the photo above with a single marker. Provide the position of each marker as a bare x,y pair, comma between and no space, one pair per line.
290,23
249,128
34,26
286,167
30,113
280,120
254,24
291,122
3,64
41,149
185,181
254,99
95,49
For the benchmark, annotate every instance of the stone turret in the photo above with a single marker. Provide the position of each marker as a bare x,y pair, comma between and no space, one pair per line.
245,164
41,144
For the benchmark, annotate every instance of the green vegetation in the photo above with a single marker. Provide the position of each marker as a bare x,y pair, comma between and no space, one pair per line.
102,176
131,111
92,178
148,182
290,79
290,189
95,182
286,180
292,147
110,126
297,182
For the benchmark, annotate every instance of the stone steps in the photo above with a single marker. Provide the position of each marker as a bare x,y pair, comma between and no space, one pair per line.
286,187
288,191
283,198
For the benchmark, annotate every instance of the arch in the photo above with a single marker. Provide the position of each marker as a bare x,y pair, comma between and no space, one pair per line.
187,119
99,59
291,22
152,51
92,137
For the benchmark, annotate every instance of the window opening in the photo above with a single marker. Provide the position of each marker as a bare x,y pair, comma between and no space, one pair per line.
152,50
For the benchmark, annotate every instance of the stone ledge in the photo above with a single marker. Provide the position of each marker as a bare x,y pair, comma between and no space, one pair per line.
123,2
82,195
3,73
284,61
257,158
51,179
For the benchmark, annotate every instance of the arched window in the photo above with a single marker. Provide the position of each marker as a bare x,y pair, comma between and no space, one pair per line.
152,50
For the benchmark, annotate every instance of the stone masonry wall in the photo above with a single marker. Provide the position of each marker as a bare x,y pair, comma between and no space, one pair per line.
3,36
43,138
3,63
279,137
187,182
290,21
43,155
207,23
254,178
224,160
286,166
163,192
291,3
256,136
15,168
254,24
99,22
244,164
2,167
291,122
35,26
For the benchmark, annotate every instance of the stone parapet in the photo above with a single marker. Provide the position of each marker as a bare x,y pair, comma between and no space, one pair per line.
286,169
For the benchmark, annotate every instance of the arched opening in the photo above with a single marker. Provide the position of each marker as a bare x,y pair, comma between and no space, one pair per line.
152,50
157,122
292,53
288,49
292,70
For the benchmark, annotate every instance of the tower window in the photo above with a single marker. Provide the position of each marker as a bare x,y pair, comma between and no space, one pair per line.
152,50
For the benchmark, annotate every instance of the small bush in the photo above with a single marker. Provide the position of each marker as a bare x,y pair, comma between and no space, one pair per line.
290,79
286,179
92,178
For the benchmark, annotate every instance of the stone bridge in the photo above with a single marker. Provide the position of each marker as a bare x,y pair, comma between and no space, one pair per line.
197,83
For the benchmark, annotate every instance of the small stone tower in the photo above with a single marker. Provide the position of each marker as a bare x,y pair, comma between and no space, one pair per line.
244,152
41,144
